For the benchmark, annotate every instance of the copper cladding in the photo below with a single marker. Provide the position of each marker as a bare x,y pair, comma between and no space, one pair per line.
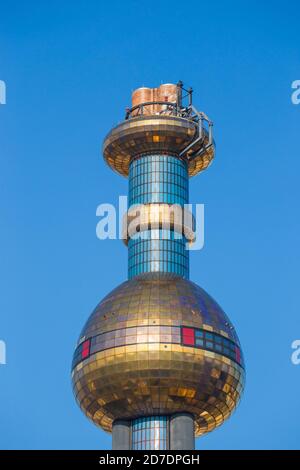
165,92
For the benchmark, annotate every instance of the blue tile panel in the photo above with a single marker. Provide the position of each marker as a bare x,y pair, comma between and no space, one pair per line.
158,251
150,433
158,179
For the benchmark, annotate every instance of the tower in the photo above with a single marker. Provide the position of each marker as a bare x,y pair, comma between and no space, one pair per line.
158,361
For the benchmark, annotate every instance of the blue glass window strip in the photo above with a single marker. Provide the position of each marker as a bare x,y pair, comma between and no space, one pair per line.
158,251
158,178
150,433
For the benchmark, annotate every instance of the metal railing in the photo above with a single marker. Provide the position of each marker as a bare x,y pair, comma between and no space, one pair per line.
139,109
204,124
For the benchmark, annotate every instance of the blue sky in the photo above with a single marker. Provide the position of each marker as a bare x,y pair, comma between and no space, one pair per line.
69,69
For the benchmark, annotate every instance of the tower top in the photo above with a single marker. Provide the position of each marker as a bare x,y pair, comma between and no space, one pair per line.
172,126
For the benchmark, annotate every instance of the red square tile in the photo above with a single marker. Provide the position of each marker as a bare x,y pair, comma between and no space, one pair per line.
188,336
188,331
85,349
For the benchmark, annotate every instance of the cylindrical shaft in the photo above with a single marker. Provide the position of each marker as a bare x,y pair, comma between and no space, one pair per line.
158,179
121,431
182,434
174,432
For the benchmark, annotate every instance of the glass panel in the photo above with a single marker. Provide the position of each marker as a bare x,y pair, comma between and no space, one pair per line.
154,435
158,250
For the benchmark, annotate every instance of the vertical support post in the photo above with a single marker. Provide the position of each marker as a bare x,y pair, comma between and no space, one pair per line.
182,433
210,133
200,126
190,92
121,431
179,95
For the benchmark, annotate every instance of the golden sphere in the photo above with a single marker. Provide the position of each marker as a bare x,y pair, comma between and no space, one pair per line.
158,344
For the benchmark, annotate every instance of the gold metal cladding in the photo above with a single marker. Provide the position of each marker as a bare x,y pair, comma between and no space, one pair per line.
147,378
141,217
154,135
